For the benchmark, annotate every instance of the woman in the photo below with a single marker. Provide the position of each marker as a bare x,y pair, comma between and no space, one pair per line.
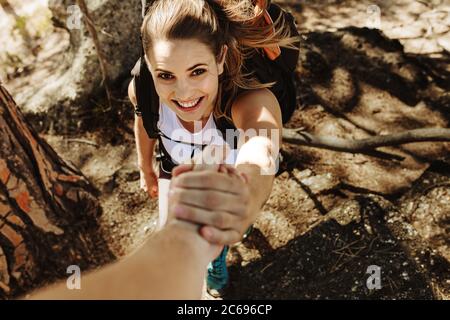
195,52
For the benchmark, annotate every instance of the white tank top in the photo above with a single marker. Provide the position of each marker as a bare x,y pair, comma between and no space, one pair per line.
170,125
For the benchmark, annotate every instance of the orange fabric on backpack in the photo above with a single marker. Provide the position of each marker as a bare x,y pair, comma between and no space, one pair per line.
271,52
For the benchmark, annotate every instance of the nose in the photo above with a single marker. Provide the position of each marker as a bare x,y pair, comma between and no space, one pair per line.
184,90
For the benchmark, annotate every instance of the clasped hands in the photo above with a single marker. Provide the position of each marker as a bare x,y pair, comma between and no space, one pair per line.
213,195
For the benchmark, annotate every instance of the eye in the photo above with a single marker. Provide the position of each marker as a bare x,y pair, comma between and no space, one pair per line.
165,76
198,72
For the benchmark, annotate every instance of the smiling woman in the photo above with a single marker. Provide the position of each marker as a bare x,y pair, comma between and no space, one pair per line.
188,90
198,60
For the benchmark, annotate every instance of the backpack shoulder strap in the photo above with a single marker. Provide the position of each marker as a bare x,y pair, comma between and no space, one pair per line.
147,99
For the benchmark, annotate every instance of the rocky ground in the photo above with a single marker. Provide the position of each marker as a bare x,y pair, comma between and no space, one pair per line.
331,215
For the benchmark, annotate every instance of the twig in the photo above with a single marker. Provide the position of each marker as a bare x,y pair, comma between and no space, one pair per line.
101,58
347,246
299,137
267,266
83,141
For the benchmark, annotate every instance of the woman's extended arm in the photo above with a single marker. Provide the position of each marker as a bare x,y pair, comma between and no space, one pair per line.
227,206
258,115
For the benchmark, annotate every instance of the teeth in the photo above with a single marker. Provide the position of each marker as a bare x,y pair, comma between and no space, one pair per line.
190,104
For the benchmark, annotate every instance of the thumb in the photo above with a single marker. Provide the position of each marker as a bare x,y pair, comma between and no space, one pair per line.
210,158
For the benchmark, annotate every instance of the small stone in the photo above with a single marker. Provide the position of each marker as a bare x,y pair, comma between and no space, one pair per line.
405,276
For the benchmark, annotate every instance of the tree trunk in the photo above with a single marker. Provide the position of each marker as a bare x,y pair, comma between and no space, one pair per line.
48,210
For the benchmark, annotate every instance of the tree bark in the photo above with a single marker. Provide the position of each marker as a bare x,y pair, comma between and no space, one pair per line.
48,210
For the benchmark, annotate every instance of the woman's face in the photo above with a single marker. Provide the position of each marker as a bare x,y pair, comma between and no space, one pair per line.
186,77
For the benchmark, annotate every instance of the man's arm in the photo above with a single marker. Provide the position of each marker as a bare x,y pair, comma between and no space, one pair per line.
170,265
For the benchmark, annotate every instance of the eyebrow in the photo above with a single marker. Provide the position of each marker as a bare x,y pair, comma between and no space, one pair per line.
191,68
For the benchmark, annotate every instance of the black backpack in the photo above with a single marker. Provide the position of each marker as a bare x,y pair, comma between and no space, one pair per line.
281,70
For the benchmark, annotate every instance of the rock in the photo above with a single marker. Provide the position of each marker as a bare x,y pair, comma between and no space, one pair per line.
412,31
444,41
128,173
78,78
346,212
302,174
321,183
107,183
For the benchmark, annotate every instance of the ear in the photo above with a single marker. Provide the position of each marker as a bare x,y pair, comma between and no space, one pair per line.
223,55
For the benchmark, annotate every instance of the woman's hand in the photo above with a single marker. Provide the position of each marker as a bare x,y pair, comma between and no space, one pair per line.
217,197
149,182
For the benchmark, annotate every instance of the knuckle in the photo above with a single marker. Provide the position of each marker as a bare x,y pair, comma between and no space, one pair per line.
219,220
216,237
242,210
187,212
174,194
210,200
179,180
246,195
208,180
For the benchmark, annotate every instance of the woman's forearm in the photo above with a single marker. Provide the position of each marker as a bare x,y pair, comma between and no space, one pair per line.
260,171
144,145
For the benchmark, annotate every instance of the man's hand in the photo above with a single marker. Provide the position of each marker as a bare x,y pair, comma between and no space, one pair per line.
215,196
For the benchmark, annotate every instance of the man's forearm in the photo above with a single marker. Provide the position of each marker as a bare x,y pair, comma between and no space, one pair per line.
170,265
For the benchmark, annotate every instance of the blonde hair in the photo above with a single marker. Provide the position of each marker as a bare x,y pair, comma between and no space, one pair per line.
235,23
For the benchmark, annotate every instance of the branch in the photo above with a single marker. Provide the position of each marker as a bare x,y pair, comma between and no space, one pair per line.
83,141
101,58
299,137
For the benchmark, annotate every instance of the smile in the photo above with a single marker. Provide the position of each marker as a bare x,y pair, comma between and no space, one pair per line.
190,106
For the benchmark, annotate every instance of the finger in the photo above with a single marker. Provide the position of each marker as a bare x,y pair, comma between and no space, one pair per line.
232,171
218,219
211,157
154,192
181,169
223,169
205,180
211,200
244,177
217,236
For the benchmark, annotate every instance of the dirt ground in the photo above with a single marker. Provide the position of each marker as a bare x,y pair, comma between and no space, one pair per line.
330,215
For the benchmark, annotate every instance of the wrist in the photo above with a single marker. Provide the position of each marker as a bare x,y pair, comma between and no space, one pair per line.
146,167
194,243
